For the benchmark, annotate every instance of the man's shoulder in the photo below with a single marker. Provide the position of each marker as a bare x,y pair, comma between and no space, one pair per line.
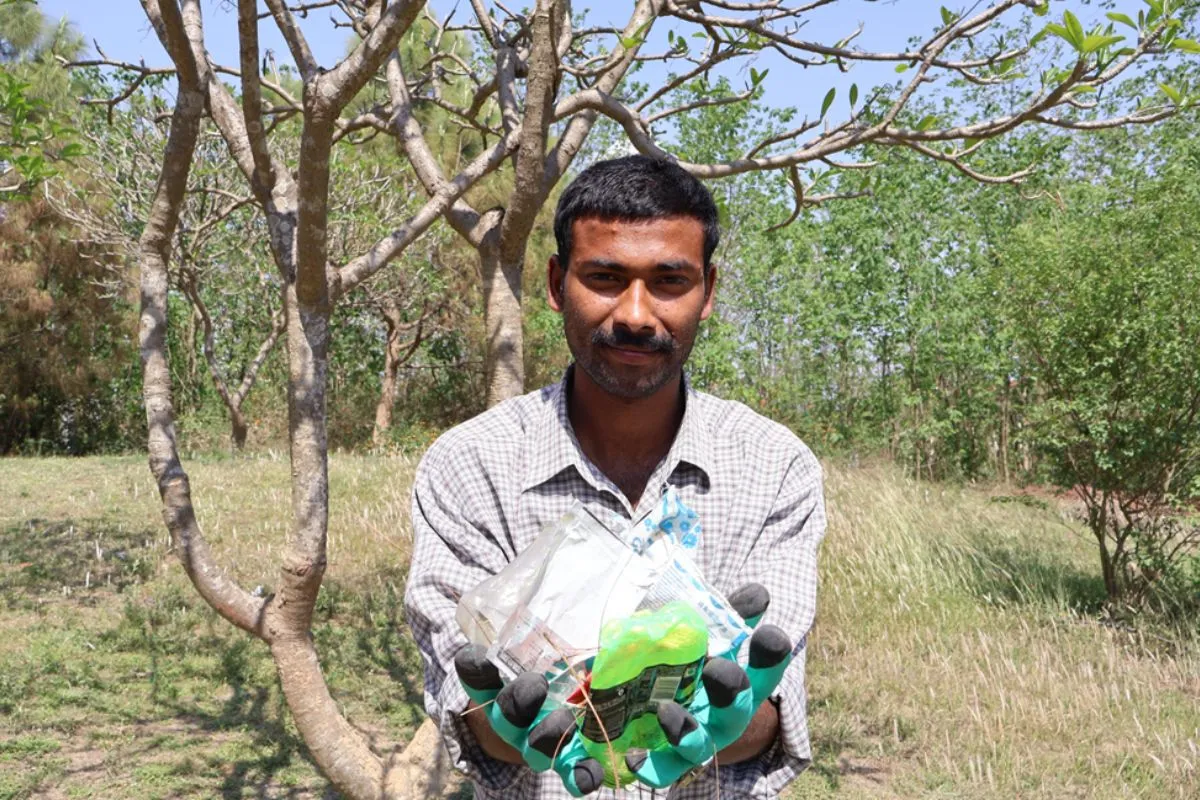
493,434
733,424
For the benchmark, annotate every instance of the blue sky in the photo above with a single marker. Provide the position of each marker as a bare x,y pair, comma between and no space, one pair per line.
121,29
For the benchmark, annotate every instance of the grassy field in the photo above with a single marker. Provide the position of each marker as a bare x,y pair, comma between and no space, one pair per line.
959,651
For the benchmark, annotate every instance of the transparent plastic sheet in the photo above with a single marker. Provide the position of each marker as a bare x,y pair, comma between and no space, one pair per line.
544,611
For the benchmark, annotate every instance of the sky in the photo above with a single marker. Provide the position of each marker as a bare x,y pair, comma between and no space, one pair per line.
121,29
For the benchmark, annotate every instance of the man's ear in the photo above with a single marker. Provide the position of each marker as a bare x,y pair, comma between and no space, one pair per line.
556,275
710,285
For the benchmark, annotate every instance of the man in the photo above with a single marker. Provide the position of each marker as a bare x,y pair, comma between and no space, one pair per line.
633,279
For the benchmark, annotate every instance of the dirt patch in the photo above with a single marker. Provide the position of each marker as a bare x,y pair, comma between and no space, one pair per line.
870,776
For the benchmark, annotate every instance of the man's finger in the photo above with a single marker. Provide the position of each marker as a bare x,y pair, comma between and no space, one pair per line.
477,674
723,680
521,700
770,654
729,698
580,773
750,602
583,777
516,708
553,733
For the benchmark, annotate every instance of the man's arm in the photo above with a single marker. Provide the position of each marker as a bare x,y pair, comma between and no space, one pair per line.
759,736
490,741
783,558
451,555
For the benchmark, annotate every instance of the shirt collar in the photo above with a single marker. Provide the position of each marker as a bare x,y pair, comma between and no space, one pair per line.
551,446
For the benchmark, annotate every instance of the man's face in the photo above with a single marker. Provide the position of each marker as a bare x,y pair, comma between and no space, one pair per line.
632,299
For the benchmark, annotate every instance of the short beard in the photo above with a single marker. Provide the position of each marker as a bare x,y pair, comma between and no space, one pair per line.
588,359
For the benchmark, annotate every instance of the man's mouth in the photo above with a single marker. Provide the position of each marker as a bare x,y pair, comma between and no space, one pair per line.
633,355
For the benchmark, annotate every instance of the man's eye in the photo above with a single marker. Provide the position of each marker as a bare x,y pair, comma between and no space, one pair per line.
673,280
602,276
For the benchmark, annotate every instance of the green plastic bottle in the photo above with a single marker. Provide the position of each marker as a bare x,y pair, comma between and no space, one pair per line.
645,659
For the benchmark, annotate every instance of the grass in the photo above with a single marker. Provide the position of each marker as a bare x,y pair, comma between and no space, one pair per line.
960,650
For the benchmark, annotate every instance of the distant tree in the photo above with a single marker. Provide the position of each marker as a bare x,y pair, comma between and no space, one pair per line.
1102,300
219,253
65,326
35,95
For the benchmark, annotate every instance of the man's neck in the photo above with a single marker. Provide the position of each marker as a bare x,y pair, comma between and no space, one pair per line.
625,438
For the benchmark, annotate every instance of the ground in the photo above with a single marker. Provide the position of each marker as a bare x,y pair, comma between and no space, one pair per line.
960,649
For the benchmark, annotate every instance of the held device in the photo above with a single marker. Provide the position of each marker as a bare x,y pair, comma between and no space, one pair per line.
645,660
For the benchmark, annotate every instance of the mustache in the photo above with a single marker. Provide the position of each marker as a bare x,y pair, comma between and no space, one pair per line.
619,337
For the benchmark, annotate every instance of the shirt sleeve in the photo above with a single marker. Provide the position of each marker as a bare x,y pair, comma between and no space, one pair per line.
450,556
784,559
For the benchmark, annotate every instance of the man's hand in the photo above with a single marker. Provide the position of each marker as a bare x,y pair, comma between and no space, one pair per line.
516,716
725,703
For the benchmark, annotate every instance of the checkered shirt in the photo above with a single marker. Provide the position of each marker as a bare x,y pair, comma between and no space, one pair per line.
485,489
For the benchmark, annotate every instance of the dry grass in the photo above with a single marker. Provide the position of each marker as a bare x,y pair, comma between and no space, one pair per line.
959,653
959,650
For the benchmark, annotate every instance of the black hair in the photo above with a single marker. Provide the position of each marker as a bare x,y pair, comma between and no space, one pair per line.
634,188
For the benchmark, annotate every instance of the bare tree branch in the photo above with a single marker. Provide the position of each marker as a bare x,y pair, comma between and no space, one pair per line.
222,593
301,53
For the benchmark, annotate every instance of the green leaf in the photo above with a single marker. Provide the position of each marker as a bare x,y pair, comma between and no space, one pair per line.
948,17
1075,29
1156,11
853,94
1097,41
629,42
1060,31
1187,46
1171,92
828,101
901,68
1124,19
927,122
1043,9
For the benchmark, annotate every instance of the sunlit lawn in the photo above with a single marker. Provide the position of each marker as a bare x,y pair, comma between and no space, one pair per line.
958,652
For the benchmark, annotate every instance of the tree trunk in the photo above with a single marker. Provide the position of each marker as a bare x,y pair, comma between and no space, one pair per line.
1112,579
502,320
1004,435
237,428
387,392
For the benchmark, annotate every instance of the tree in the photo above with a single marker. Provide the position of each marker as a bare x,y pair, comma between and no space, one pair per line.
34,94
62,301
1102,300
218,254
547,55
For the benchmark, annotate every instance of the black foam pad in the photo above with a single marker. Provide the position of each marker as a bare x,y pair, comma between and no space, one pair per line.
768,646
676,722
522,699
552,732
751,600
474,670
724,680
589,775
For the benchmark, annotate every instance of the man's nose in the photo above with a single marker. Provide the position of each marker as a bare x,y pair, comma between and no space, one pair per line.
634,309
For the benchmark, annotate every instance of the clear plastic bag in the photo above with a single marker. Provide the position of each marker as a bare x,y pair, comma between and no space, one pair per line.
545,610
